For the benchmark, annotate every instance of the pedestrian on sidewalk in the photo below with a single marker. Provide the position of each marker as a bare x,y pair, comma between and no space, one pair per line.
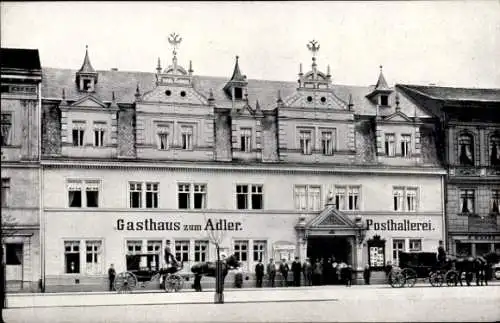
348,275
317,272
111,276
259,273
271,272
307,269
284,269
366,274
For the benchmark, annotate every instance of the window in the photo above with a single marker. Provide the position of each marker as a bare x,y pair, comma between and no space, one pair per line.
153,248
192,196
135,195
300,192
347,198
13,254
467,199
238,93
397,246
340,197
259,250
92,193
384,100
390,147
151,195
99,129
200,250
405,145
200,196
5,192
398,199
83,193
495,200
72,257
305,141
163,141
328,142
6,124
246,139
466,152
93,257
249,197
139,200
78,133
187,137
411,199
241,250
134,247
405,199
182,250
495,150
87,86
415,245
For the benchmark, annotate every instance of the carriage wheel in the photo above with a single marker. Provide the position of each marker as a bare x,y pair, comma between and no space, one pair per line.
396,279
436,279
410,276
451,278
173,283
125,282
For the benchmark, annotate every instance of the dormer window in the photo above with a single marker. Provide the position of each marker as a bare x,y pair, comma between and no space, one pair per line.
384,100
238,93
87,86
86,77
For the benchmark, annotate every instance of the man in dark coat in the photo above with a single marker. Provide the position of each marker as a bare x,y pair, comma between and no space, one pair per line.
367,274
271,272
441,253
111,276
259,273
308,270
296,269
284,272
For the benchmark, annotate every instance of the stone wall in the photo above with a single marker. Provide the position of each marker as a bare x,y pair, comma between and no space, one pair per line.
51,130
126,132
222,129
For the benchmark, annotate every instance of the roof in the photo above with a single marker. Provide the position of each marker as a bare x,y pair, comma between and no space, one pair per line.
86,66
455,93
124,84
237,76
20,58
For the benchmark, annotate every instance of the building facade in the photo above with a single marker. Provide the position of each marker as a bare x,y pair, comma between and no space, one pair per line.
21,75
470,126
275,169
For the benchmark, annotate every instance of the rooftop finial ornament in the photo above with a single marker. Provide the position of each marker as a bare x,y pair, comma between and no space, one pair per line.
174,40
313,46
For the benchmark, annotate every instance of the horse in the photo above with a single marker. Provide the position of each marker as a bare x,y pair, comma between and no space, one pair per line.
478,267
208,269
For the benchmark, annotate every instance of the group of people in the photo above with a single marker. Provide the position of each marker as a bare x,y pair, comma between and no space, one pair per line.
315,273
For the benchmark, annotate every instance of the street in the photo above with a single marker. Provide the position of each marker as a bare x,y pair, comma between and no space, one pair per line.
318,304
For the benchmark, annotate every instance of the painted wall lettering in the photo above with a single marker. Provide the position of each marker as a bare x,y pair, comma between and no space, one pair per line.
152,225
401,225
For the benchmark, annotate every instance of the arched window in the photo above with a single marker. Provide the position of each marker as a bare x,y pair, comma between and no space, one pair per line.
495,150
465,149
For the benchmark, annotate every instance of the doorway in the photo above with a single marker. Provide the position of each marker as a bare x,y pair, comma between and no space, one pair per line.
14,265
329,246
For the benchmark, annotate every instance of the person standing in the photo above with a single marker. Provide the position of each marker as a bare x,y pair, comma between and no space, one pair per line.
348,274
366,274
441,253
284,269
259,273
271,272
111,276
307,269
317,272
296,269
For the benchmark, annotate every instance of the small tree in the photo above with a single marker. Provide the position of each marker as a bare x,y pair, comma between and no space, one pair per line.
216,237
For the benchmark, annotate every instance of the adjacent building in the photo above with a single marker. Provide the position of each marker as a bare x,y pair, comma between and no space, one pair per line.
21,76
273,169
469,120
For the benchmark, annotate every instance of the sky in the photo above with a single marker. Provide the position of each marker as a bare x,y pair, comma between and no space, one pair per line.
446,43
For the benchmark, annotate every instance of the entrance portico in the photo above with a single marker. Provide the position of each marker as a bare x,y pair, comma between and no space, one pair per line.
332,234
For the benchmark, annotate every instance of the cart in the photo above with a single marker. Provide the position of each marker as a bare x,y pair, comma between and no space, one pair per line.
143,271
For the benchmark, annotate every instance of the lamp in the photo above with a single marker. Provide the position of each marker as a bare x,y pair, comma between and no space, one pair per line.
361,228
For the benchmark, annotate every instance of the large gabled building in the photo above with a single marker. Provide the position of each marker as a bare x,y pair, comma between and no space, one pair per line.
469,121
307,169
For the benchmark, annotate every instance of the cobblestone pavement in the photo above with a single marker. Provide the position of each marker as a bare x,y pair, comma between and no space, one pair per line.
318,304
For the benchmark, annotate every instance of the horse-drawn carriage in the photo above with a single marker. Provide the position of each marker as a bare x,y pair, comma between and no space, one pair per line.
143,270
421,265
453,271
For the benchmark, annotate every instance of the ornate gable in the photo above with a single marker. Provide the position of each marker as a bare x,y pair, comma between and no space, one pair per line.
331,217
397,116
316,99
89,101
